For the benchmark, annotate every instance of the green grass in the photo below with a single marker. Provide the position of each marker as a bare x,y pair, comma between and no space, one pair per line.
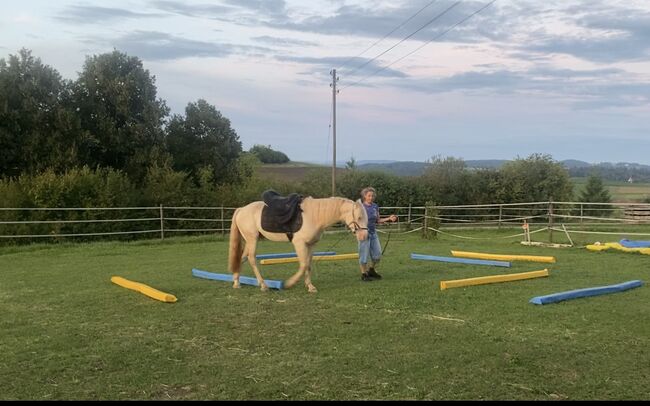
67,332
292,171
293,164
620,191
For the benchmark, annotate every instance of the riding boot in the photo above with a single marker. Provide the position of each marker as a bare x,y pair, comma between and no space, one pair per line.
373,274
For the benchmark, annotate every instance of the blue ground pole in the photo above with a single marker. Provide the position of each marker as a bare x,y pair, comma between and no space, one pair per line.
460,260
242,279
574,294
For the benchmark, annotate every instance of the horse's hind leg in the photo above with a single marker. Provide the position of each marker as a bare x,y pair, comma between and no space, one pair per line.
250,251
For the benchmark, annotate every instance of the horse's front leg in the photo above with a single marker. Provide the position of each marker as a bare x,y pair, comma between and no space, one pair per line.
304,257
310,287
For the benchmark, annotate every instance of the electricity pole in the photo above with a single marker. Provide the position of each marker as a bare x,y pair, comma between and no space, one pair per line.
334,91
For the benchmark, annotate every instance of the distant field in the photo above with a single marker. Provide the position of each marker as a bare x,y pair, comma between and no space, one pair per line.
620,191
292,164
292,171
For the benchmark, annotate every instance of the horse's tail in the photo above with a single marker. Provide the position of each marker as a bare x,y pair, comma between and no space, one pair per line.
236,246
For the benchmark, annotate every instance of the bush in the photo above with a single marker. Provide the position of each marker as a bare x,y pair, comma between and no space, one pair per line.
268,155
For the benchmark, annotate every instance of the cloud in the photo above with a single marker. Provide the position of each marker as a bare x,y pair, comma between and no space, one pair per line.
374,20
270,7
154,45
616,35
94,14
582,89
325,64
193,10
603,51
368,21
248,12
284,41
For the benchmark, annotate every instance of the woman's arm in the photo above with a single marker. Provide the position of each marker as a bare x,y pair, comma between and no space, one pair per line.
392,217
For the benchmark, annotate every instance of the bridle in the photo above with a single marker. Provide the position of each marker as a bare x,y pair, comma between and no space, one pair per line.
353,225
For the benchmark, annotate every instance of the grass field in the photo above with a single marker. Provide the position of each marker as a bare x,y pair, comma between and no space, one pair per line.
293,171
620,191
67,332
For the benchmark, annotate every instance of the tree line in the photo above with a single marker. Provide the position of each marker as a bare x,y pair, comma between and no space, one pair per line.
108,117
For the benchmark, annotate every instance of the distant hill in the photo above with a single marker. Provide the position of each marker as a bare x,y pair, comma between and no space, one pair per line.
620,171
412,168
574,163
485,163
371,162
399,168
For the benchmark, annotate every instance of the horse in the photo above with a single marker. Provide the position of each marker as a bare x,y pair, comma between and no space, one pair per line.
317,215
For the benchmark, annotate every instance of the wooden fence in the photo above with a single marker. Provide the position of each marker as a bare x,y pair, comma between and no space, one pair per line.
163,221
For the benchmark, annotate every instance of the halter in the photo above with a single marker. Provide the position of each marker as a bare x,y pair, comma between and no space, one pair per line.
353,225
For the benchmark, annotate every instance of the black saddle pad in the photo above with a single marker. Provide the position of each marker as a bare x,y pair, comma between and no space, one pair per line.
281,214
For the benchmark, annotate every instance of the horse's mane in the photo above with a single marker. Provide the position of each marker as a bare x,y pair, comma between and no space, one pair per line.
331,202
345,199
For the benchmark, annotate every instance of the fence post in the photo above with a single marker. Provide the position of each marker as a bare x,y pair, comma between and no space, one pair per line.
223,228
409,217
425,225
581,207
500,214
550,220
162,223
398,228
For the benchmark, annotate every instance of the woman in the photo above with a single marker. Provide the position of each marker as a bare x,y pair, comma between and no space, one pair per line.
370,247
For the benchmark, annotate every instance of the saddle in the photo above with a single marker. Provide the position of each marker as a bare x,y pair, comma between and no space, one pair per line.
281,214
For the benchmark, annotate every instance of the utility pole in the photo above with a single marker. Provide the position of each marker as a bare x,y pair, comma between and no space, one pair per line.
334,91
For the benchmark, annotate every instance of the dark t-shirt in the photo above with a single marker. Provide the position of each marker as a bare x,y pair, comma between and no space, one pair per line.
373,216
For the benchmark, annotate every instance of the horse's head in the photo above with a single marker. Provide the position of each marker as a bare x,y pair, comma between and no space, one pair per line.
356,218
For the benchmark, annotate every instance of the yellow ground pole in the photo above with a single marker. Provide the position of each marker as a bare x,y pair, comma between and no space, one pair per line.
502,257
492,279
616,246
338,257
144,289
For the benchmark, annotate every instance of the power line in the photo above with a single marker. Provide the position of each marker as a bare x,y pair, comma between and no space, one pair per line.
407,37
384,37
422,46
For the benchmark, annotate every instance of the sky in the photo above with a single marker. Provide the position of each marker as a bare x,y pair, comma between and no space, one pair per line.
417,79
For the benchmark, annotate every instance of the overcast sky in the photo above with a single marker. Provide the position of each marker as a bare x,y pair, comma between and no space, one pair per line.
566,78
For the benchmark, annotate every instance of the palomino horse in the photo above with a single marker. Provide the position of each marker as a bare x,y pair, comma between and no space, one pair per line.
318,214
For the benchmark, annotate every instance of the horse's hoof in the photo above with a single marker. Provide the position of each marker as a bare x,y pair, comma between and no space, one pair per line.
264,288
236,286
312,289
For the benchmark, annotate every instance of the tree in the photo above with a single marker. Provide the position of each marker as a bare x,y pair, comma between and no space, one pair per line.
446,181
389,187
269,156
595,192
351,164
204,138
536,178
121,117
37,131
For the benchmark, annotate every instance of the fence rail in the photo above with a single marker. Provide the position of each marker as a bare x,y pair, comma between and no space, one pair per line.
39,222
